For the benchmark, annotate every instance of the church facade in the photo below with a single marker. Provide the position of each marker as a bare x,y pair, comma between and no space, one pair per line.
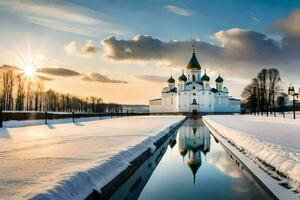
195,93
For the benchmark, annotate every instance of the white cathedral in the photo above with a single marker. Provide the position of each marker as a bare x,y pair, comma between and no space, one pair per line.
194,94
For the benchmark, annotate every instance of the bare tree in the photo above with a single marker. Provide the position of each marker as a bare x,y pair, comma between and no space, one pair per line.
20,93
38,95
281,101
8,78
260,95
274,86
262,78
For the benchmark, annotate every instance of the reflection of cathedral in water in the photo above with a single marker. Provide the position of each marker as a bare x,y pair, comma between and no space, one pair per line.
193,139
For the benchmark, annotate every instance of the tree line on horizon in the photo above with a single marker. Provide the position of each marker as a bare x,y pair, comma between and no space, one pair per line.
20,93
264,94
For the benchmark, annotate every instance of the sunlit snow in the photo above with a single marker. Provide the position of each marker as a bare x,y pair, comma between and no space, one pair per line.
274,142
54,159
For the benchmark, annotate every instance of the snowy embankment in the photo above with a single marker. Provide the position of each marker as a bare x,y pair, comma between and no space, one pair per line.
22,123
68,161
272,143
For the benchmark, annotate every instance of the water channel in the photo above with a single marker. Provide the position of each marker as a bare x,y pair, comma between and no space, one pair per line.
191,164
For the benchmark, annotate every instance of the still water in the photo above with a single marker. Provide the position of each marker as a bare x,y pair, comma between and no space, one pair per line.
191,164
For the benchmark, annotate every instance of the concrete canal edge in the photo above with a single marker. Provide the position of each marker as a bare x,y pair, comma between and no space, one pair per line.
113,185
255,174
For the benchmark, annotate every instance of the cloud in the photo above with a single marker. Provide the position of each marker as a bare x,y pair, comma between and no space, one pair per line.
254,18
58,72
44,78
235,50
178,10
247,45
60,15
152,78
10,67
42,74
290,26
145,48
223,164
100,78
19,71
88,50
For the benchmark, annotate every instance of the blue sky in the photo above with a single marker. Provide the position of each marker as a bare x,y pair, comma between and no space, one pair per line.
77,35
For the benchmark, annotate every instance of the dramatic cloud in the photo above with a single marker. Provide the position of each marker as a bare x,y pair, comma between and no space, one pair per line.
152,78
58,72
235,45
246,45
178,10
9,67
143,47
19,71
88,50
42,73
101,78
290,26
236,50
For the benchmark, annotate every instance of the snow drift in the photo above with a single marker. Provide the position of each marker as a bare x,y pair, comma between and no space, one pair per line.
278,160
79,185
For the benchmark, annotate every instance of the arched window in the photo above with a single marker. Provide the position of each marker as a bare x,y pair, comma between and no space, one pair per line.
194,77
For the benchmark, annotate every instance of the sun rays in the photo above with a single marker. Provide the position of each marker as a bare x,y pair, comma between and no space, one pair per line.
29,70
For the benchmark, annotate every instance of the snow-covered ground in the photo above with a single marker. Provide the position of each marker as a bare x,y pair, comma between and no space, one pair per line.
288,115
22,123
67,161
272,143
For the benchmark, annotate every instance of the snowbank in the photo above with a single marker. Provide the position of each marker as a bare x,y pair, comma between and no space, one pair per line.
68,161
273,144
22,123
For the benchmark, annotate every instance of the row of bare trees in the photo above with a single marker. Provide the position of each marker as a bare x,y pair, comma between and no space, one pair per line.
264,93
21,93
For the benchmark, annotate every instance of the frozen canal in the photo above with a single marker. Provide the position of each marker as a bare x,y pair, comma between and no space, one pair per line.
65,160
190,165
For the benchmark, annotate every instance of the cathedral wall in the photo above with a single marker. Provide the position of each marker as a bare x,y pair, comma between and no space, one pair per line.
169,102
231,106
206,101
184,101
155,106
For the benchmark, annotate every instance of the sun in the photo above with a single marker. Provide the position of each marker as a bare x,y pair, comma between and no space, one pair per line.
29,70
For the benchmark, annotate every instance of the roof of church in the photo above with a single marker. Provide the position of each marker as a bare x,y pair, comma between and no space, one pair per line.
182,77
205,77
193,64
171,80
291,88
190,82
172,90
219,79
214,90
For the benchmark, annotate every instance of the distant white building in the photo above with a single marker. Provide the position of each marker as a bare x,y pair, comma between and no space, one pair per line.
194,93
292,94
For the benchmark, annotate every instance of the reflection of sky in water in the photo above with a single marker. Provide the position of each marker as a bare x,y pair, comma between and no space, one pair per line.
197,167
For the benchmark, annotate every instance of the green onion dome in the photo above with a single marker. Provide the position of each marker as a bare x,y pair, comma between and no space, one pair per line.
182,78
171,80
219,79
193,64
205,77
